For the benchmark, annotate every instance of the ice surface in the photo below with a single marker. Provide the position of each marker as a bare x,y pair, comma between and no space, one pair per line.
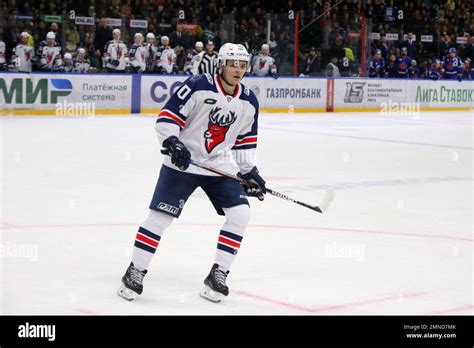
398,238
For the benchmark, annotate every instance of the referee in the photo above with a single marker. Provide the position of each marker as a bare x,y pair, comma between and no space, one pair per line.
206,61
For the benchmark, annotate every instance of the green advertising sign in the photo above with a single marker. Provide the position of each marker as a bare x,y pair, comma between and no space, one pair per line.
51,19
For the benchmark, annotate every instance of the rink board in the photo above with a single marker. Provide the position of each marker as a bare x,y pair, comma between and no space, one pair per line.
88,94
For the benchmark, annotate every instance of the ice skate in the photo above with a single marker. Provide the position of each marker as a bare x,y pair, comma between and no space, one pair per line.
132,283
214,285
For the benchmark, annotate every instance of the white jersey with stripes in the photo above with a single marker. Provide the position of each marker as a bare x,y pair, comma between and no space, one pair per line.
219,130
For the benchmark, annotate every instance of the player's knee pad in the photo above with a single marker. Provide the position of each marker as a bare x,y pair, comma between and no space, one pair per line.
237,218
157,221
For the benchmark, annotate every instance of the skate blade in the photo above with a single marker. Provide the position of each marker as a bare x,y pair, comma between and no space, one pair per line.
126,293
211,295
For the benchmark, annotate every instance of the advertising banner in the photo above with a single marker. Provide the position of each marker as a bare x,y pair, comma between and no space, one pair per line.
53,91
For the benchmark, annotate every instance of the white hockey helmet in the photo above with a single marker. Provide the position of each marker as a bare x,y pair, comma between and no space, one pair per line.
199,44
67,56
230,51
150,36
51,35
24,34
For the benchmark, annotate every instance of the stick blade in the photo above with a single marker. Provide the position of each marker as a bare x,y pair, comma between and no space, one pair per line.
327,200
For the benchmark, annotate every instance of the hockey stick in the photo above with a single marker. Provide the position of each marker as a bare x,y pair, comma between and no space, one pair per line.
326,202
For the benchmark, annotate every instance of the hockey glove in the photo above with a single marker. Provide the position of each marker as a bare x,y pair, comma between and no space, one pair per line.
180,155
115,62
255,185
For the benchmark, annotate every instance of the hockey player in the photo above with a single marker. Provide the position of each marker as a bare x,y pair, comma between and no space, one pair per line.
166,57
377,65
413,71
138,54
208,118
115,53
206,61
452,65
403,63
152,53
192,57
68,65
3,62
81,63
264,64
435,72
23,55
50,54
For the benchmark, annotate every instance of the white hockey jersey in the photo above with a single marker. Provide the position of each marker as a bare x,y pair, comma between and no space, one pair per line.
138,56
23,57
166,59
190,59
264,65
219,130
50,58
2,52
83,65
115,51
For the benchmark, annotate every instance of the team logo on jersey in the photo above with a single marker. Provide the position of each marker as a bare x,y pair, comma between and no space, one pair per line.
261,64
218,126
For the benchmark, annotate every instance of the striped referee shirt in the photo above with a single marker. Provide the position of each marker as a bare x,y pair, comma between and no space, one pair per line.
205,63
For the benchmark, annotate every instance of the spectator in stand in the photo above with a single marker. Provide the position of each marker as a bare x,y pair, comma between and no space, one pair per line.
312,63
384,47
10,38
177,37
54,27
332,70
444,44
103,35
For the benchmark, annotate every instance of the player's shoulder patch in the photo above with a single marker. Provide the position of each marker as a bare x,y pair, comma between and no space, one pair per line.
249,96
202,82
209,78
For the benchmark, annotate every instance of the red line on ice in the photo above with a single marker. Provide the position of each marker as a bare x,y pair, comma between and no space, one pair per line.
451,310
322,228
331,307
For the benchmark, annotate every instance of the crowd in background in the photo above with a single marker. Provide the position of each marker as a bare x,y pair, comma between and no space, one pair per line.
330,40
